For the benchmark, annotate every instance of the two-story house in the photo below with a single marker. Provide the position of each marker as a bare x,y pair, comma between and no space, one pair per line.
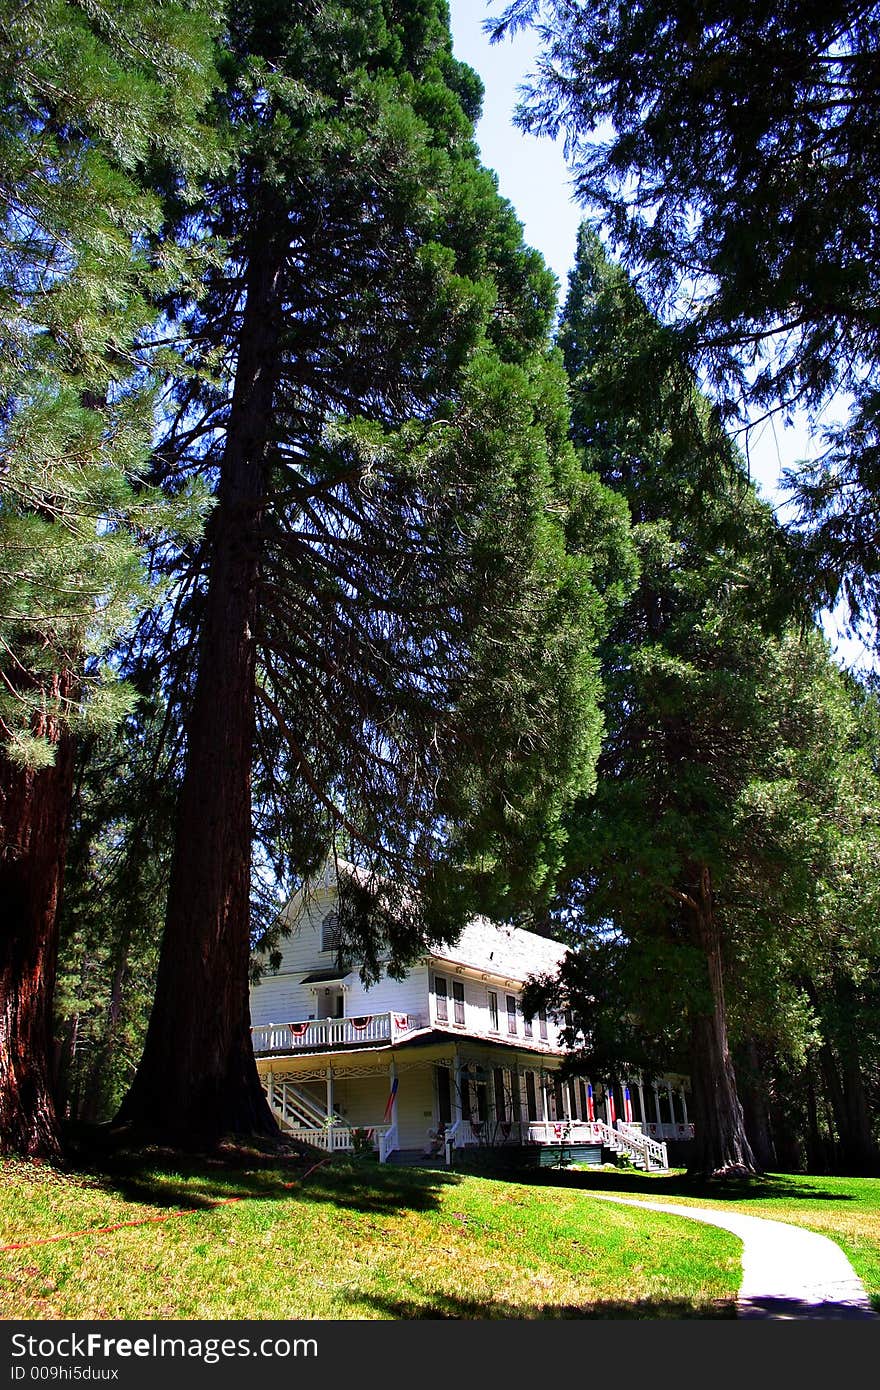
446,1051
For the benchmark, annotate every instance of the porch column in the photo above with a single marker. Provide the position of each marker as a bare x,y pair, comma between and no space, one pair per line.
670,1094
684,1107
270,1088
392,1077
657,1104
566,1100
329,1092
642,1115
542,1087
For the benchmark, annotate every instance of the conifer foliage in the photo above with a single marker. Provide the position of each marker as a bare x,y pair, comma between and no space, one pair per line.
97,101
649,854
394,639
730,152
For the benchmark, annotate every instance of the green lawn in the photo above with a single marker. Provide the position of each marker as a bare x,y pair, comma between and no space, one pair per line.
343,1241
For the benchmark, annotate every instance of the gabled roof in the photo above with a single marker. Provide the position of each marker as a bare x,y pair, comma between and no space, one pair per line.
485,946
501,950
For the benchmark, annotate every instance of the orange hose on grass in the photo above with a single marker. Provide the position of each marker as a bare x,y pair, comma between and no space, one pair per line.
146,1220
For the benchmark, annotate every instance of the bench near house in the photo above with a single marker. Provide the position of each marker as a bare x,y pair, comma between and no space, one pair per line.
447,1050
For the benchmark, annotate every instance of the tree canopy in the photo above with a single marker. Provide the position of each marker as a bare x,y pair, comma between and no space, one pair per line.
392,636
730,154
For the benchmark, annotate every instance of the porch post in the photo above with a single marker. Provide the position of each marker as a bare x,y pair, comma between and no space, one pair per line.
657,1104
684,1106
329,1092
670,1093
642,1115
270,1089
392,1076
542,1087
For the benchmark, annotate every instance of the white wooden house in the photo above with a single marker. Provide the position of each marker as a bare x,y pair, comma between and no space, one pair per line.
443,1059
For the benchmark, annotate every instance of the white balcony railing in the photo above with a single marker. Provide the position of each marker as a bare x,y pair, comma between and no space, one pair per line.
321,1034
667,1131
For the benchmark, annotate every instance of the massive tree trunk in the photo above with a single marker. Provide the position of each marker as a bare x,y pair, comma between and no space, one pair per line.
34,821
197,1080
720,1140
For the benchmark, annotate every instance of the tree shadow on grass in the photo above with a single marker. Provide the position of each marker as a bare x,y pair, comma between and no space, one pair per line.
665,1187
171,1178
445,1306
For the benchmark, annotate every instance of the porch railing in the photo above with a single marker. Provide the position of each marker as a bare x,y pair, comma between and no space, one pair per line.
642,1145
321,1034
668,1131
339,1138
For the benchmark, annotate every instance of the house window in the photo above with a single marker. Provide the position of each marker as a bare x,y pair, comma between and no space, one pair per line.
330,932
464,1084
441,1007
531,1096
457,1001
582,1094
444,1095
558,1102
500,1095
480,1100
542,1024
511,1014
493,1011
527,1027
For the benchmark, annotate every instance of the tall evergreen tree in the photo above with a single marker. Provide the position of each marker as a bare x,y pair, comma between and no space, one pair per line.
388,609
685,665
101,105
802,900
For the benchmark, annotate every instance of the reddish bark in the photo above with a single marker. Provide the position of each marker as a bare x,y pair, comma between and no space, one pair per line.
197,1080
721,1143
34,822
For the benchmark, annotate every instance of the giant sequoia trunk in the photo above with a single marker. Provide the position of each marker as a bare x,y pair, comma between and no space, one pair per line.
721,1143
197,1079
34,819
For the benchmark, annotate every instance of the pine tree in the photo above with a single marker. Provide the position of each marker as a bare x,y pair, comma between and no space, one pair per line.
392,642
101,107
686,665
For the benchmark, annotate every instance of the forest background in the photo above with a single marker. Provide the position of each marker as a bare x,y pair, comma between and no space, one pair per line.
285,400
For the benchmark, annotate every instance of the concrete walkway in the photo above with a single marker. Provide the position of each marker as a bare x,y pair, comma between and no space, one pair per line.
787,1272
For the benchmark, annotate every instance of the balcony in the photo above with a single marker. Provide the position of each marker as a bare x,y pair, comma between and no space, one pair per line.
326,1034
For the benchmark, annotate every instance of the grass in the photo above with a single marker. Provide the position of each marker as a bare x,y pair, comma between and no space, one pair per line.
342,1241
845,1209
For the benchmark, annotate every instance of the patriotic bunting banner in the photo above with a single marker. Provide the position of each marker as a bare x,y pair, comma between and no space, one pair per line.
627,1106
591,1113
390,1101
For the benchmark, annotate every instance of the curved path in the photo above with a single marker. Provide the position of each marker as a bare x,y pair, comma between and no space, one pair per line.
787,1272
